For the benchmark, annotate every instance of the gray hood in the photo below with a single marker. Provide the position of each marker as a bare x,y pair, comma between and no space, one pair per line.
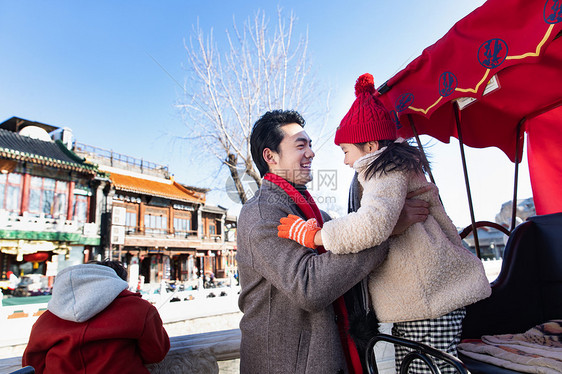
82,291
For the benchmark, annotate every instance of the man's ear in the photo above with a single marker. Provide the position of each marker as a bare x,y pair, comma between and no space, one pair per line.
270,156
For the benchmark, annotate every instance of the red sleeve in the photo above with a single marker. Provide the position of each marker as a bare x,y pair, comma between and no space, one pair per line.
34,359
34,354
154,342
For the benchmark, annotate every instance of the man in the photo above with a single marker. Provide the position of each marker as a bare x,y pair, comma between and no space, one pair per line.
294,317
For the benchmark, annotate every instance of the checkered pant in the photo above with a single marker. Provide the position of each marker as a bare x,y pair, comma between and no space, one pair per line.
443,333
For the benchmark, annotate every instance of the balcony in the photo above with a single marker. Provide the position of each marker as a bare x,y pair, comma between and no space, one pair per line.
212,239
152,237
136,236
121,161
29,234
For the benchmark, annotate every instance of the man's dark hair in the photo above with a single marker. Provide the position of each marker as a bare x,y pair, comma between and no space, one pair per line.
267,133
117,266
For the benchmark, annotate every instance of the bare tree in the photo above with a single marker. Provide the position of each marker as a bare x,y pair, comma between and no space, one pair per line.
262,67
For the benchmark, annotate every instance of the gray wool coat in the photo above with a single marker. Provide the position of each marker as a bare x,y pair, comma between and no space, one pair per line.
287,291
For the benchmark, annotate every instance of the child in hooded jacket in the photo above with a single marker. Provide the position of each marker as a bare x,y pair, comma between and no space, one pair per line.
428,276
93,324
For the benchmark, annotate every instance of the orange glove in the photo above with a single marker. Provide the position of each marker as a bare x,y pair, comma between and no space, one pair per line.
299,230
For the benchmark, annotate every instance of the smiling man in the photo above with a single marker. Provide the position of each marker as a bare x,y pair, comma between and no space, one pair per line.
293,158
295,320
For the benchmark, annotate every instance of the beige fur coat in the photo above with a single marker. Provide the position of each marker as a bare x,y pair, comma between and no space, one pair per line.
428,273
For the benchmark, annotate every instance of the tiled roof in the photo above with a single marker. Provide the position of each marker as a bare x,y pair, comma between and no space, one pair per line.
15,124
14,146
168,189
214,209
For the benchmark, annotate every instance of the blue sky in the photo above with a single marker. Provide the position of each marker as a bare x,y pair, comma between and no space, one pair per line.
112,72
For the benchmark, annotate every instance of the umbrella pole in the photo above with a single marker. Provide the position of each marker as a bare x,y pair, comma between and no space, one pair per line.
515,182
420,146
471,208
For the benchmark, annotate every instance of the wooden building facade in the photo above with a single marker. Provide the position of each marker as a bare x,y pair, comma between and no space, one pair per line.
63,203
47,202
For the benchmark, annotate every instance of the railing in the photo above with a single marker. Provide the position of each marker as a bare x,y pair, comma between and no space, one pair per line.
115,159
212,238
201,353
160,232
137,230
28,222
198,353
190,234
180,234
175,234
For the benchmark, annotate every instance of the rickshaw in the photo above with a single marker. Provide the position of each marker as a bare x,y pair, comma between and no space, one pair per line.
494,76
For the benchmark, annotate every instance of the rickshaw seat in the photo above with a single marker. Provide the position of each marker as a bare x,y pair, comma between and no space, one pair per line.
528,290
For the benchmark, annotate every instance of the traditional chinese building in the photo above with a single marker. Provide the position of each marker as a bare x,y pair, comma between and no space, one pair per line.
47,201
162,229
63,203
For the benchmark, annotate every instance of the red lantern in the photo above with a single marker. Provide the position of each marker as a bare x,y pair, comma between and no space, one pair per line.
37,257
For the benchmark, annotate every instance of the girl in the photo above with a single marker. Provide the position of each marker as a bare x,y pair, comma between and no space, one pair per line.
428,276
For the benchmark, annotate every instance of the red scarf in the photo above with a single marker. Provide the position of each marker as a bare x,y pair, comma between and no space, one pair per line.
306,204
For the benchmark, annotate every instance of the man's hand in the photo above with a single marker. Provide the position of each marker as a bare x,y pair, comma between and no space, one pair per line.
299,230
414,210
419,191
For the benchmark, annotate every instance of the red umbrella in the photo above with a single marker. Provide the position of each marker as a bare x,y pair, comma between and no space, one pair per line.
496,73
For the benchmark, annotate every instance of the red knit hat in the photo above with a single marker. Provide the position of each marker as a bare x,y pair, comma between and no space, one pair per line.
368,119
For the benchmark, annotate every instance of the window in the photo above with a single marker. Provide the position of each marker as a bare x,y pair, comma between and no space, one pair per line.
212,229
10,192
155,224
80,203
182,226
131,221
49,197
80,208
